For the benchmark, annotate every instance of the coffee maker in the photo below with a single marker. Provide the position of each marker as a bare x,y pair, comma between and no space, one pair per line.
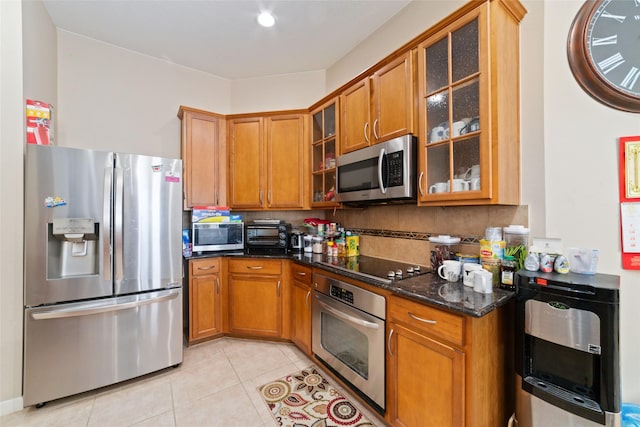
296,243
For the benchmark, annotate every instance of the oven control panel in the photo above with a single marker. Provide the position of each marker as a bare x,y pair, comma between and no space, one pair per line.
342,294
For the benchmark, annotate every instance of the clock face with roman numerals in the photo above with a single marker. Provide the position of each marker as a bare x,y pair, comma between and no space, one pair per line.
604,52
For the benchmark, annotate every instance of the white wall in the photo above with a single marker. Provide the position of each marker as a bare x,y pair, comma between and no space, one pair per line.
11,151
282,92
115,99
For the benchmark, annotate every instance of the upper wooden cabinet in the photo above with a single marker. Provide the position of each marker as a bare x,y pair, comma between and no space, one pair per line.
268,162
203,157
379,106
324,152
469,107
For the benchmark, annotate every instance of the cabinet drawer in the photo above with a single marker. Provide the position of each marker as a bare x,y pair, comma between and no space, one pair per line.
201,267
422,318
255,266
301,273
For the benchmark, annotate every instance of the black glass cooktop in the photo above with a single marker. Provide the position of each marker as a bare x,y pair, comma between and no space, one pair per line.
380,269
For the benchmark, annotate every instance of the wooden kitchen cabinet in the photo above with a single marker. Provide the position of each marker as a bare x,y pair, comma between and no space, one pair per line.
301,307
447,369
205,299
203,157
324,152
426,372
468,74
268,164
380,106
257,295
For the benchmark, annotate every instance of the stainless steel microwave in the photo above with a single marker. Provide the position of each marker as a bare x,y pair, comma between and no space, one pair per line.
217,236
382,173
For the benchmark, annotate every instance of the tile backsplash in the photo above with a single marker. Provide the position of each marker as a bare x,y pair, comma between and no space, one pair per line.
401,232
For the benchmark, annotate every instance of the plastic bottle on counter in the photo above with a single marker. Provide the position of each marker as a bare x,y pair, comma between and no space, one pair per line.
561,264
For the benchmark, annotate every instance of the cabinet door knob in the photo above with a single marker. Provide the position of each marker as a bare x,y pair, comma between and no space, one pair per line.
420,183
389,343
375,123
366,136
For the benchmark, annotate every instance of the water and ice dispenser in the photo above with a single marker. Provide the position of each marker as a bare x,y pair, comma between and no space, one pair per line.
72,248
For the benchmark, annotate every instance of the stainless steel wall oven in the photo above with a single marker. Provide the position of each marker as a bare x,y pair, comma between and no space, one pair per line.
348,335
567,350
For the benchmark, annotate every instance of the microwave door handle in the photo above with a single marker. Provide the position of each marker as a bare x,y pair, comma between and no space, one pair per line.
381,180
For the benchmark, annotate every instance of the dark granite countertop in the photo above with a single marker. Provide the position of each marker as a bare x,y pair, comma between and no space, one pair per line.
426,288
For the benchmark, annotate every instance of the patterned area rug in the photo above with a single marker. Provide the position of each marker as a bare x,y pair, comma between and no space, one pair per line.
306,399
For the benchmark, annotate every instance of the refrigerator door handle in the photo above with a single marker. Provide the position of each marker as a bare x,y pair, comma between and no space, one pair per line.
106,221
118,196
83,310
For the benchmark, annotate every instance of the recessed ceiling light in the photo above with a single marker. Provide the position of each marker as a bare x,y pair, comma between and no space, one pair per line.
266,19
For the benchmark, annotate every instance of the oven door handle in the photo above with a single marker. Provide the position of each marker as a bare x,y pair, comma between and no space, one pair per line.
347,317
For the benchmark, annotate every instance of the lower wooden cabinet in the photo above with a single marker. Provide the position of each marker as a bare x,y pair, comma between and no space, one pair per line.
445,369
256,295
427,381
301,307
204,297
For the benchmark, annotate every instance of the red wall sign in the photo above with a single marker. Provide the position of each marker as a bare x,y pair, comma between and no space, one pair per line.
630,201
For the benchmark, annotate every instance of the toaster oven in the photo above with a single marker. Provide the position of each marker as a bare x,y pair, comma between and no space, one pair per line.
267,237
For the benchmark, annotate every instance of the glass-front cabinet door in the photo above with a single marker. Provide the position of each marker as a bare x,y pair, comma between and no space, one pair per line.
323,154
454,112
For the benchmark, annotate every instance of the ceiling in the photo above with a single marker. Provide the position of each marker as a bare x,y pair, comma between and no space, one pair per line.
222,37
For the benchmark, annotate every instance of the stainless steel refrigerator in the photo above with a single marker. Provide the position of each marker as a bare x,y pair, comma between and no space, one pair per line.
103,269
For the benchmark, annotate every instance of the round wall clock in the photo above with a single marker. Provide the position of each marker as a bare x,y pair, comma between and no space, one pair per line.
603,49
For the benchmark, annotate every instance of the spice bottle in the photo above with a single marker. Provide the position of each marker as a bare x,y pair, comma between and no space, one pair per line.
507,272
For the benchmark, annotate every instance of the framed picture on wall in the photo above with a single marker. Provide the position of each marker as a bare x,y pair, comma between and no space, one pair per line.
630,201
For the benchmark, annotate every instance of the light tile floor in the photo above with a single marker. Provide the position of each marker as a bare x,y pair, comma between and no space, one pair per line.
216,386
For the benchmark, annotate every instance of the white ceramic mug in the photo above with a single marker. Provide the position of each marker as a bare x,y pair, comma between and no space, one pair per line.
468,270
450,270
483,281
457,128
437,134
459,185
439,187
472,172
474,184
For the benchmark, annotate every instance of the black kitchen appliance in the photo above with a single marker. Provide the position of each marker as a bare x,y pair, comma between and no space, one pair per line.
377,269
567,350
267,237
